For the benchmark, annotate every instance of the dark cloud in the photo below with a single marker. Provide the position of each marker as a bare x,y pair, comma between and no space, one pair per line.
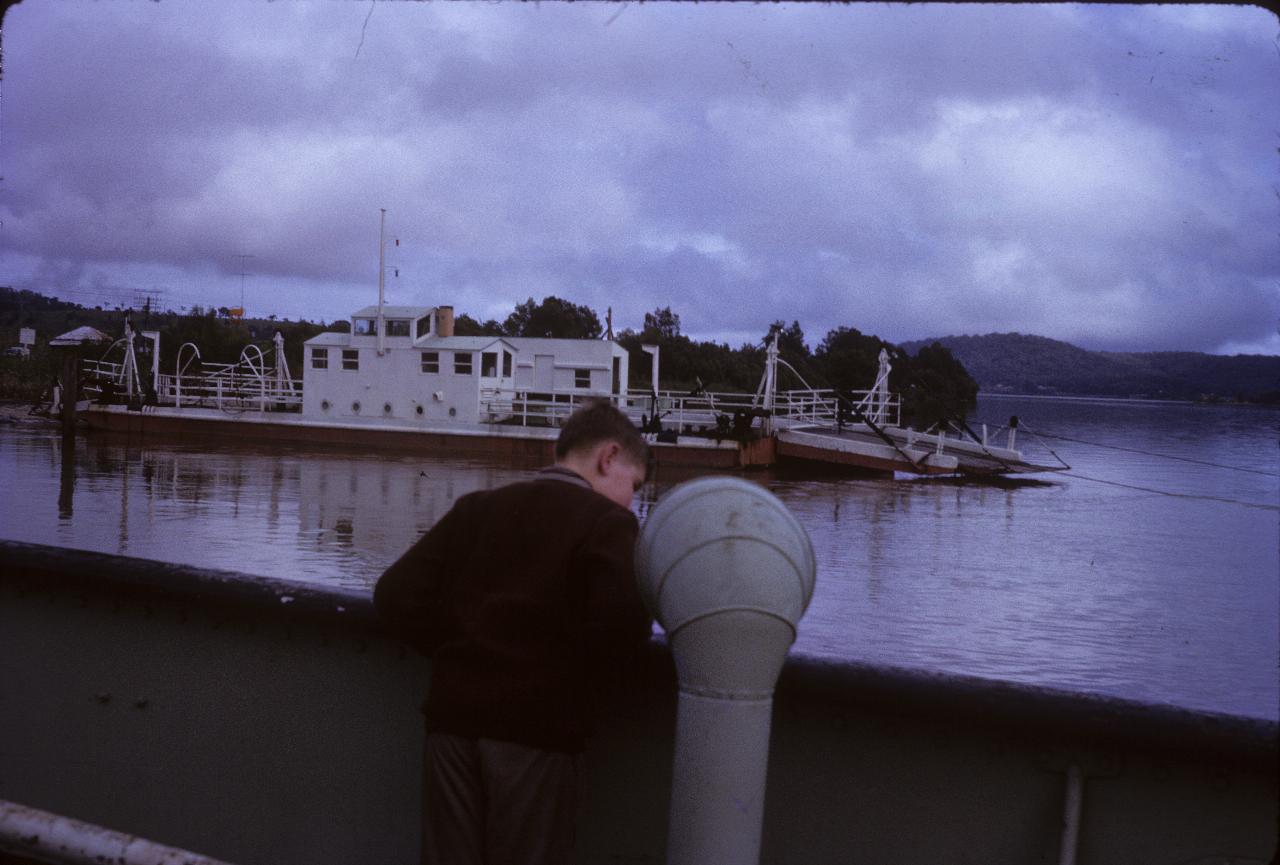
1103,174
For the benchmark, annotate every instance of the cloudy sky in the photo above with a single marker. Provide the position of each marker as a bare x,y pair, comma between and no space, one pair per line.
1107,175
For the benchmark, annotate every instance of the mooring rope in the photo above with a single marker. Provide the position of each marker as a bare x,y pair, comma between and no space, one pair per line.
1163,456
1173,494
1045,445
1040,437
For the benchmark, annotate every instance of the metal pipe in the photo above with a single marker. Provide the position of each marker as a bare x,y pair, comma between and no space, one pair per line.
728,572
1074,801
382,273
57,840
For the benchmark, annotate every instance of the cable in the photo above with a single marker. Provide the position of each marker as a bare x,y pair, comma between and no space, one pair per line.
1174,495
1165,456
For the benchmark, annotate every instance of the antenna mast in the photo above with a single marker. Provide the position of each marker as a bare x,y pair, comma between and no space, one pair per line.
382,272
243,256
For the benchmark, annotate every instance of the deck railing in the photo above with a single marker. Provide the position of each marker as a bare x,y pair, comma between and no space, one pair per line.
822,406
246,387
683,412
98,371
229,386
678,411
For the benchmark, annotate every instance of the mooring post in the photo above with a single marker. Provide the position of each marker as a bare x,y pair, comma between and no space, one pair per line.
728,572
69,382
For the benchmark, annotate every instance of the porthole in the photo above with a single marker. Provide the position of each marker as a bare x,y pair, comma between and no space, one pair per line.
355,407
386,408
453,412
324,405
418,410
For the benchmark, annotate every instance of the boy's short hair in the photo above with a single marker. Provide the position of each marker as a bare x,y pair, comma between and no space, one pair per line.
596,421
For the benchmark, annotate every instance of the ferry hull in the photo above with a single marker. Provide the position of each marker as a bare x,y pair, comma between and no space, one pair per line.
813,447
502,442
974,458
262,721
853,452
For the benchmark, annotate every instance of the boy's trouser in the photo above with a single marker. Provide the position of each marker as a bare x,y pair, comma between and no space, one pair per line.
487,802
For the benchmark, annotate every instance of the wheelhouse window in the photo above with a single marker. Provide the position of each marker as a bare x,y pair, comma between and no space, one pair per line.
351,358
462,363
431,361
366,327
582,378
398,327
489,364
424,326
506,364
319,358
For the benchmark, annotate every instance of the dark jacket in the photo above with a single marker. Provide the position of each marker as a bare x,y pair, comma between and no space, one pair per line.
525,598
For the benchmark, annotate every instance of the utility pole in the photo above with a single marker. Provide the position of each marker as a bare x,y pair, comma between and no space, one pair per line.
147,299
243,256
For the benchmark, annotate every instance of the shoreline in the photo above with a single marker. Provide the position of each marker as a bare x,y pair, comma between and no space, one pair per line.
1125,400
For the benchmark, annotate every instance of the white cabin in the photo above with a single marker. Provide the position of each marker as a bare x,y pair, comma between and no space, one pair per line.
416,370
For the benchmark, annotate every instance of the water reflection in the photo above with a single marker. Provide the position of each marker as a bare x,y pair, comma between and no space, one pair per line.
67,476
1056,580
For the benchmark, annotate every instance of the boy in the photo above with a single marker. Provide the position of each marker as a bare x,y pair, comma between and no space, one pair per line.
526,600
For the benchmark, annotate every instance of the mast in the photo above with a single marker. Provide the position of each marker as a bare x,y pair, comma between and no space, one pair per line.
770,385
129,369
882,388
382,273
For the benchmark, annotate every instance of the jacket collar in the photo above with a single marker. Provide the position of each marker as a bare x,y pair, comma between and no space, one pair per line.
560,473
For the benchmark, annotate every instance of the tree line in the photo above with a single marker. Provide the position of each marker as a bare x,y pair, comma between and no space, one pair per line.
219,337
933,384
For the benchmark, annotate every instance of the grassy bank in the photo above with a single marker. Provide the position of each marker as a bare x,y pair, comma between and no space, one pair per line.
26,379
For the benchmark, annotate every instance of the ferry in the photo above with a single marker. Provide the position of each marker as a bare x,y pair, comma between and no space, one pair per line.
828,428
400,376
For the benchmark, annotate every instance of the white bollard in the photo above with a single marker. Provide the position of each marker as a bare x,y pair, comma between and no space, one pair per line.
727,571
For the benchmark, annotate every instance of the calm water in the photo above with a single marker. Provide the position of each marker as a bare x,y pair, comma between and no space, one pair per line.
1136,575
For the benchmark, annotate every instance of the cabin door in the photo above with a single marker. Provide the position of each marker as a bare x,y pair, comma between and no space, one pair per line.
544,372
617,376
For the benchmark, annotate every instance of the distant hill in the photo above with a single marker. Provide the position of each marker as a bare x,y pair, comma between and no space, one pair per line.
1022,363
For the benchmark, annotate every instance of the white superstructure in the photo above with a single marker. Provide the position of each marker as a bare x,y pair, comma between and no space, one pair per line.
405,363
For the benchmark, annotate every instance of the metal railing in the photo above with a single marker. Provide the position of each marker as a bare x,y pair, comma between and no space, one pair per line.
226,387
533,408
821,407
42,836
229,386
683,412
674,410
